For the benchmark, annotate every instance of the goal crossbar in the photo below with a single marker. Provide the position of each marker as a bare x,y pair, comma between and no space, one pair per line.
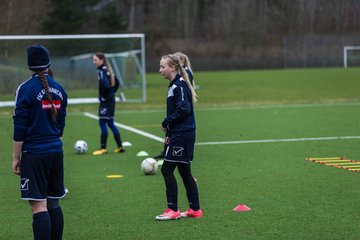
70,36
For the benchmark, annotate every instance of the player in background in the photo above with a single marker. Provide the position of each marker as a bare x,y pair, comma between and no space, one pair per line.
180,125
185,62
107,90
39,121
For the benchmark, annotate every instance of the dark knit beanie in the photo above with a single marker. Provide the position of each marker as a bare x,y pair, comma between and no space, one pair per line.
38,57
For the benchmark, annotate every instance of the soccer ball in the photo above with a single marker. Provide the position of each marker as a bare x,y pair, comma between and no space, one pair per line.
149,166
80,146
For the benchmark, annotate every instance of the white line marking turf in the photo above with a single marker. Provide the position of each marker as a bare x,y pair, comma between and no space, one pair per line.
281,140
160,139
131,129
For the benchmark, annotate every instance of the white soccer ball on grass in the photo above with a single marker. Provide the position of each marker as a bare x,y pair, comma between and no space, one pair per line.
149,166
80,146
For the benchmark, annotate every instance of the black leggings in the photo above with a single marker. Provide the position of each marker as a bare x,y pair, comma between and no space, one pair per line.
192,194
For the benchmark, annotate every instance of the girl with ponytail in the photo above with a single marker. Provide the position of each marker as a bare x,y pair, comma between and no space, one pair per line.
180,126
107,90
39,121
185,62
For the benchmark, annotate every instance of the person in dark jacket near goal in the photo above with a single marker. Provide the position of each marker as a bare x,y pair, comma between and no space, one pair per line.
107,89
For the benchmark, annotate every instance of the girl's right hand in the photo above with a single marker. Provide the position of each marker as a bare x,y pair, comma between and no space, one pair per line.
16,166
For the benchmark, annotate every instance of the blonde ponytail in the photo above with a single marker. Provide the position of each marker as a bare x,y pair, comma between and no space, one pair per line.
175,61
192,90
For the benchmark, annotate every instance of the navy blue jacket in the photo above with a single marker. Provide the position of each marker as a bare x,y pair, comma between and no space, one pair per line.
179,107
106,92
32,120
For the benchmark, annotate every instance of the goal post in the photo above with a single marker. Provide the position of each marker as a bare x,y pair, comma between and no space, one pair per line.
351,56
71,62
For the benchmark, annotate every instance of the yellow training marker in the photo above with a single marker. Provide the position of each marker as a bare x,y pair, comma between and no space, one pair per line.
344,164
338,162
114,176
354,170
341,164
335,162
329,158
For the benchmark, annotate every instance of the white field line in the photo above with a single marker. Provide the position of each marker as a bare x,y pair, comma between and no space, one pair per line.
282,106
276,106
281,140
131,129
160,139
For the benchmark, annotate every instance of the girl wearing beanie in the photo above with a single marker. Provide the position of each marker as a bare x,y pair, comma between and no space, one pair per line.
39,121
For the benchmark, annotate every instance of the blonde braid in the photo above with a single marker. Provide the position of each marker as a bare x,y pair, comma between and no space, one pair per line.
45,85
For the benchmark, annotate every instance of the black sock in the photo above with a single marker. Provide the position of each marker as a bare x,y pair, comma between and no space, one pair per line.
57,223
41,226
190,186
167,171
118,140
193,197
171,196
103,140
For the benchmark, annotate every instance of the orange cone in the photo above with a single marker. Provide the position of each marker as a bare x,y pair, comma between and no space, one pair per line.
241,208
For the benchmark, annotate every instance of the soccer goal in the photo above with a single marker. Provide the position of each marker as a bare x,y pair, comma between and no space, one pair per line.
351,56
71,62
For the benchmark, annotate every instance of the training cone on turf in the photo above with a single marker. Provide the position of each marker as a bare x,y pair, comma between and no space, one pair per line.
126,144
241,208
142,154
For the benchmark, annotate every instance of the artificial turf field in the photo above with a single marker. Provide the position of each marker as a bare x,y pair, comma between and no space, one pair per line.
249,153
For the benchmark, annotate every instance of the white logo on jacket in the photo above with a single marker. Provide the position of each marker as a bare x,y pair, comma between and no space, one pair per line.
51,90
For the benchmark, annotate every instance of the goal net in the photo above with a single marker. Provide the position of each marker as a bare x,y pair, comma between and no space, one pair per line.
71,62
351,56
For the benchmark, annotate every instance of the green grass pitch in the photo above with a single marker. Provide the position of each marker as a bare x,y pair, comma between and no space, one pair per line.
289,197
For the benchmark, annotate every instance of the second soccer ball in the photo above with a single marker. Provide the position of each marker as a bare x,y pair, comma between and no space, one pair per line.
80,146
149,166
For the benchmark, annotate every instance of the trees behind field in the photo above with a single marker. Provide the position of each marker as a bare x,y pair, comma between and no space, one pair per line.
246,33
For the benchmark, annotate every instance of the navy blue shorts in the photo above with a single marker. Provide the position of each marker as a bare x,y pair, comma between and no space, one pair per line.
181,147
107,109
42,176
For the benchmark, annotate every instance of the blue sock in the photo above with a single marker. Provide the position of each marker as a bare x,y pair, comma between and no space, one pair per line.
57,223
41,226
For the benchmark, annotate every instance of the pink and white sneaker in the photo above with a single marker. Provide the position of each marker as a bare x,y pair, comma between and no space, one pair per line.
168,215
192,213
